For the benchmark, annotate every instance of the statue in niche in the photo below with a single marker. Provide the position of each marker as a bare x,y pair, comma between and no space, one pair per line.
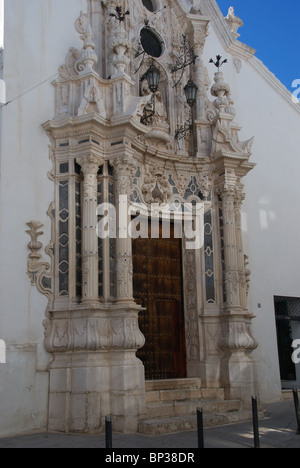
155,103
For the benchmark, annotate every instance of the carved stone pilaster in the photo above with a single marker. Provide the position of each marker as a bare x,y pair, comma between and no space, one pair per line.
236,341
228,195
125,169
191,305
240,253
90,167
202,80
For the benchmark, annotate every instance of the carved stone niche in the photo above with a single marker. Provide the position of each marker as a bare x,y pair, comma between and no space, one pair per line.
156,106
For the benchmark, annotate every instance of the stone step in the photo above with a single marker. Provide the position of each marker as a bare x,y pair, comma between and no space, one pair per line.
180,390
189,407
189,423
173,384
185,394
173,395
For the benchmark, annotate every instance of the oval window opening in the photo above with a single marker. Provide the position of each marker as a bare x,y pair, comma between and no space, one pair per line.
151,43
150,5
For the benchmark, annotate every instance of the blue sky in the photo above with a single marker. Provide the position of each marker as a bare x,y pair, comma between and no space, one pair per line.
273,29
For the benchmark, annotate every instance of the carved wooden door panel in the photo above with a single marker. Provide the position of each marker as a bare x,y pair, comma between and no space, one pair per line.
157,283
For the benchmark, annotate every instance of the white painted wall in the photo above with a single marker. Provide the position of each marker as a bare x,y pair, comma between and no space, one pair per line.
38,35
272,209
1,22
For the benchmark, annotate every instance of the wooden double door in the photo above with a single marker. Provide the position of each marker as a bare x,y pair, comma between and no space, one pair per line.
157,283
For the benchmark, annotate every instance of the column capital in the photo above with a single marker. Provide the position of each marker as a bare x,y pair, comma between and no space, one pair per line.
123,164
227,191
89,163
125,170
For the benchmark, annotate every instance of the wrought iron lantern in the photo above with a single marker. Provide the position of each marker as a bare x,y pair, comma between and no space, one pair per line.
153,76
190,92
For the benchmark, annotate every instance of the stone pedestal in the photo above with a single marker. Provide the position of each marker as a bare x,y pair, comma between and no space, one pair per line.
95,371
238,369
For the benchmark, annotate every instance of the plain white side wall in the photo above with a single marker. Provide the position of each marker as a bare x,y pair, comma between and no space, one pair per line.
38,35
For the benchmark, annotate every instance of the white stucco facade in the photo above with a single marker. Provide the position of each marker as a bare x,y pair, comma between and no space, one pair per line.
38,36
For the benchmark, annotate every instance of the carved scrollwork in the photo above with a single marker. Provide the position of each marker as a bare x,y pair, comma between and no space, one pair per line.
39,272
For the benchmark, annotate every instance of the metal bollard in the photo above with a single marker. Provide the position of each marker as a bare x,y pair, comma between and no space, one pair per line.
297,408
108,432
255,423
200,428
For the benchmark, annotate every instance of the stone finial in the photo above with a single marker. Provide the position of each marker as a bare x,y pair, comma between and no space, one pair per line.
120,48
234,22
88,57
221,91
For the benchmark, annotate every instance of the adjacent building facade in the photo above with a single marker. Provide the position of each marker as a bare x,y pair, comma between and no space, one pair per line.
96,303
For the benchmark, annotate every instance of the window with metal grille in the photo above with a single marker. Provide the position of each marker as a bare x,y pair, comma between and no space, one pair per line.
287,311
